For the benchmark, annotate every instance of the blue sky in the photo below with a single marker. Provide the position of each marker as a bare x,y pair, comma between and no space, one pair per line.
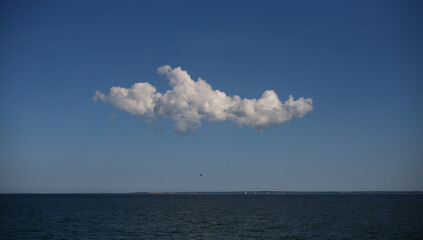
360,61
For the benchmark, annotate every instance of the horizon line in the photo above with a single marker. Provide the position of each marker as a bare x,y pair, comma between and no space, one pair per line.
260,192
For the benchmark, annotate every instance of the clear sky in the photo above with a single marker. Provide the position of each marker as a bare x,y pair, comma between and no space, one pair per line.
360,61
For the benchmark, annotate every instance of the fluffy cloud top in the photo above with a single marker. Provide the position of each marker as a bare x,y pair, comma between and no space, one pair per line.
189,101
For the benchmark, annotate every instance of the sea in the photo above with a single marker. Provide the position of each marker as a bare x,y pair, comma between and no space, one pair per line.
211,216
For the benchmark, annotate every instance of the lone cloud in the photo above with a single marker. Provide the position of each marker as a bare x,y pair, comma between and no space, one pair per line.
189,101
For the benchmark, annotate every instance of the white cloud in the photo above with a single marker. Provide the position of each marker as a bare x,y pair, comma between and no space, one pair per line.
189,101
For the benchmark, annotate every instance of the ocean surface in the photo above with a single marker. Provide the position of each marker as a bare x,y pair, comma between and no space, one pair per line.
213,216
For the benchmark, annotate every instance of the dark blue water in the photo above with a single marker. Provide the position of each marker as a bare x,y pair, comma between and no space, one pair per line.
316,216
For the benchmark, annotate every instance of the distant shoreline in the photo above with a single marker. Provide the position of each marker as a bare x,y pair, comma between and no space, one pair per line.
232,193
287,192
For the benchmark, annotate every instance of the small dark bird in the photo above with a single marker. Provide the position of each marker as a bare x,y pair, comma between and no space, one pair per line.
201,174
